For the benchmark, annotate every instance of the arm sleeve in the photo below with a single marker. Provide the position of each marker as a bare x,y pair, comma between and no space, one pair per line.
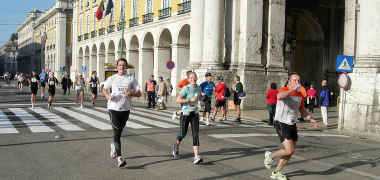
108,83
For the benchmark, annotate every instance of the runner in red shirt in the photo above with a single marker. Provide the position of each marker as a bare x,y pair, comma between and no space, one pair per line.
220,100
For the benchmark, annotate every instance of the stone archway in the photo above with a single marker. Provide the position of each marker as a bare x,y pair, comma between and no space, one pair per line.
79,63
133,56
163,53
93,61
101,61
181,53
86,62
147,57
111,53
121,52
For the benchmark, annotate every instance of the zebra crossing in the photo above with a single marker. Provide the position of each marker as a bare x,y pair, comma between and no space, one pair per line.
74,119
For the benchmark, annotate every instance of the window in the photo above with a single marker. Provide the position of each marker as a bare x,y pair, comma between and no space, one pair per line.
102,23
149,6
94,22
88,24
134,9
165,4
80,25
111,17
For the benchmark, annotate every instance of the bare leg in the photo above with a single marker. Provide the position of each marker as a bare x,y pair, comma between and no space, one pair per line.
284,154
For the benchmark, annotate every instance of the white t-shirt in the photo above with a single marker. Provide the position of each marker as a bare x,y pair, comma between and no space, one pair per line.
118,84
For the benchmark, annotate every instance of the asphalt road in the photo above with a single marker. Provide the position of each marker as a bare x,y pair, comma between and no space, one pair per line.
38,144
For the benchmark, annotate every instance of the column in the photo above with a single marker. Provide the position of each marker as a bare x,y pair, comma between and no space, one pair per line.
196,33
276,33
100,66
60,40
180,56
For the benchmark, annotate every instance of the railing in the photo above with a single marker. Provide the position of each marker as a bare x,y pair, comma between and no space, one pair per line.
147,18
111,28
120,26
79,38
101,31
85,36
184,7
134,22
93,33
165,13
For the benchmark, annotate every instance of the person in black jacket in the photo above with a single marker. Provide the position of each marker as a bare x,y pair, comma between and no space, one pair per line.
64,83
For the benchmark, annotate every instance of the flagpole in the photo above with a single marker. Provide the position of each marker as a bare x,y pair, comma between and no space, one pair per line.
122,32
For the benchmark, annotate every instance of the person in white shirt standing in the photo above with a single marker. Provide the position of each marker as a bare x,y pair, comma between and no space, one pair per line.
124,87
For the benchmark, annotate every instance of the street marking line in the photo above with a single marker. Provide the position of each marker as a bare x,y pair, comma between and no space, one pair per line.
29,120
130,124
222,136
37,104
83,118
59,121
6,127
300,158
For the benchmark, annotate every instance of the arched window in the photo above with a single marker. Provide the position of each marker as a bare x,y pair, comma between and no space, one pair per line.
149,6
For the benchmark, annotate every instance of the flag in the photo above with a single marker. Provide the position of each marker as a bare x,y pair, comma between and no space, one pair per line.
109,7
99,12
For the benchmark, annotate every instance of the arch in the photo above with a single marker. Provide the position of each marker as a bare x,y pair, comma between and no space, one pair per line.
101,61
79,63
93,61
111,52
147,57
182,53
133,56
86,61
164,53
122,49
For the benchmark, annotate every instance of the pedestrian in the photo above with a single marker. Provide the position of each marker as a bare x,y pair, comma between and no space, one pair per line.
52,82
34,81
20,82
181,84
311,98
64,83
150,90
170,88
43,80
324,98
69,84
238,95
79,88
290,100
271,102
189,97
93,82
220,104
124,87
207,87
162,91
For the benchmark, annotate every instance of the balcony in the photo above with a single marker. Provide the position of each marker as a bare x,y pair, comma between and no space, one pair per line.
80,38
134,22
85,37
120,26
101,31
111,28
184,7
93,34
165,13
147,18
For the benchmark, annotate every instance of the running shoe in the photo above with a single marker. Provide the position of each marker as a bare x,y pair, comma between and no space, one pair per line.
32,106
238,120
277,175
81,106
49,107
175,151
174,116
113,151
268,160
198,159
121,162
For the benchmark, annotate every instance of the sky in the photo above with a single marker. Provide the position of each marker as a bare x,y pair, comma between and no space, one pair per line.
14,12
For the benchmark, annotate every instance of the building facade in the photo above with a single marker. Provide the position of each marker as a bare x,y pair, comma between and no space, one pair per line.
8,57
262,41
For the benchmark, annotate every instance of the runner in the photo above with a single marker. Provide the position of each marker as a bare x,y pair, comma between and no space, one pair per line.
94,82
20,82
43,78
291,99
220,104
208,87
79,87
52,82
124,87
34,81
181,84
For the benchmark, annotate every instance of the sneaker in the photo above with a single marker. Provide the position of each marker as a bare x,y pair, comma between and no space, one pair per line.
238,120
49,107
174,116
93,103
277,175
81,106
32,106
121,162
197,159
268,160
208,122
225,118
175,151
113,151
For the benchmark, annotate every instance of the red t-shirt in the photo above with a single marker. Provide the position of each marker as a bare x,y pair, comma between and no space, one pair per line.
272,96
219,89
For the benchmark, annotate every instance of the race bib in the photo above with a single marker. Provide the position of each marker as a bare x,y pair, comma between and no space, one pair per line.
93,85
51,83
34,80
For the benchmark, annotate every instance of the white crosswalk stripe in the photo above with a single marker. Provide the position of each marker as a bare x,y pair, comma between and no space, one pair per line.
6,127
83,118
60,122
30,121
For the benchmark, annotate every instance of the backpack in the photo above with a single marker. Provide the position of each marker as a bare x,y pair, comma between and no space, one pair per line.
226,93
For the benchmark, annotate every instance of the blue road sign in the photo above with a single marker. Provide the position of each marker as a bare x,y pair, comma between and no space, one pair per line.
344,63
84,68
61,69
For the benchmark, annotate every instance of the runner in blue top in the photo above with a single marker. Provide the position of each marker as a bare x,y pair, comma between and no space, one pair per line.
43,78
207,88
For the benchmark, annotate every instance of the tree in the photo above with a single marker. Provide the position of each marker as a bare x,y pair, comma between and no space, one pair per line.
14,36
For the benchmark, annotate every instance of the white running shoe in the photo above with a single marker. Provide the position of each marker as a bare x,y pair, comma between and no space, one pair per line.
81,106
32,106
198,159
268,159
113,151
174,116
121,162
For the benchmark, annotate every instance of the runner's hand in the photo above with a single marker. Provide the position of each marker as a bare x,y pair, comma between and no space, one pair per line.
314,122
127,92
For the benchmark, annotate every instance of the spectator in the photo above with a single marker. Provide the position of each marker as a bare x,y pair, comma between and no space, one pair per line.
272,101
311,98
220,103
324,98
162,91
207,88
150,90
238,94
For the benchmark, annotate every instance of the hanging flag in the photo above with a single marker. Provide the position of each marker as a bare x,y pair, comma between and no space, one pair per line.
99,12
109,7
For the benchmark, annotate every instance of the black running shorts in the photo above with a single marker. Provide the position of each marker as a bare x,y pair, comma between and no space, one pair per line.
220,103
51,92
286,131
34,90
94,90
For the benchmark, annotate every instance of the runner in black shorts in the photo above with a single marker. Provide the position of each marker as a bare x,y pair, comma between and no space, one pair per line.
52,82
207,87
43,79
93,82
238,89
34,81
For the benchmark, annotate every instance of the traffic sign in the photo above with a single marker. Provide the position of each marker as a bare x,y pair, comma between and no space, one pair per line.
344,63
60,69
343,80
170,65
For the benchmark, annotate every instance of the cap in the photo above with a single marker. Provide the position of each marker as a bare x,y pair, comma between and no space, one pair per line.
208,74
